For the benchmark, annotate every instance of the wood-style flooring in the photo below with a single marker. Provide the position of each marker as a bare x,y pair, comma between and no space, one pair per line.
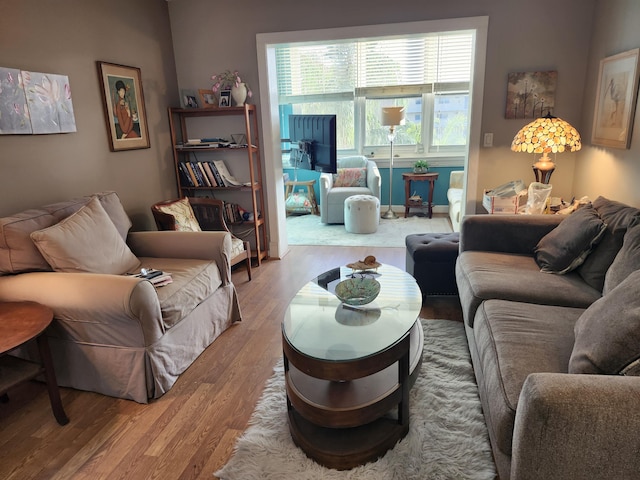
189,432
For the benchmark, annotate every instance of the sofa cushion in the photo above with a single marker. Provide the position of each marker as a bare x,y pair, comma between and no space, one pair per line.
183,215
491,275
618,218
512,340
566,247
86,241
19,254
627,260
350,177
193,282
608,333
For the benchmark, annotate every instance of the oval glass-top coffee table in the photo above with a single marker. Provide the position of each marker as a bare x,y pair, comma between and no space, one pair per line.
348,369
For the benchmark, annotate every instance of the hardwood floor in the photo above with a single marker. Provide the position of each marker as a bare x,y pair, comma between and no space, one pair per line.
189,432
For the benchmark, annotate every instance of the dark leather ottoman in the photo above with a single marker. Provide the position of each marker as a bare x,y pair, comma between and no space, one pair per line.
431,259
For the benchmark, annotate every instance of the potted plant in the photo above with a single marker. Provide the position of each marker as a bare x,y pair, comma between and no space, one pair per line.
421,166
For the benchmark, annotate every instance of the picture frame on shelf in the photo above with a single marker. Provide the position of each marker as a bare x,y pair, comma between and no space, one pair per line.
124,108
616,97
207,98
225,98
188,99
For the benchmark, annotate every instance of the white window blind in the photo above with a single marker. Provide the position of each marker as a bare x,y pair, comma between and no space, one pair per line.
332,68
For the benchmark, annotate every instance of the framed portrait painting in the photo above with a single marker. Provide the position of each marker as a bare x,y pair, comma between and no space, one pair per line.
124,106
616,98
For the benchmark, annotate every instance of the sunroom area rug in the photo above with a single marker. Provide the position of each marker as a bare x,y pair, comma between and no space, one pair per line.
447,438
307,230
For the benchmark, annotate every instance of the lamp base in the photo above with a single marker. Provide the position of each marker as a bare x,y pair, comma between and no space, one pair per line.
389,214
543,176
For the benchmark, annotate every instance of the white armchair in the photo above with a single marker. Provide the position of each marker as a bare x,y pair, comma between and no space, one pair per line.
334,190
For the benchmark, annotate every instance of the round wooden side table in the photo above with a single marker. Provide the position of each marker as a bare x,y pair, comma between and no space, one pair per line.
19,323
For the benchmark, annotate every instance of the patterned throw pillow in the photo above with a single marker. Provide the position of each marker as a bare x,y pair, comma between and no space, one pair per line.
183,213
350,177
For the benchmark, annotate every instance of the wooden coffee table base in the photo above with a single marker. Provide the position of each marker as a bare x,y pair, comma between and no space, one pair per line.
346,448
343,424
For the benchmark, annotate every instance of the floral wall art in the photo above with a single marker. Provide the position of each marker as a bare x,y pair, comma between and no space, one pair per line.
530,94
35,103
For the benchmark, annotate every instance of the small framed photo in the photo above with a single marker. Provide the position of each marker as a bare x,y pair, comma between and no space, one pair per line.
616,100
207,98
189,99
225,98
124,106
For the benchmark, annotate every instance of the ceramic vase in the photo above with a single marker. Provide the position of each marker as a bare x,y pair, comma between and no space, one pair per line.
239,94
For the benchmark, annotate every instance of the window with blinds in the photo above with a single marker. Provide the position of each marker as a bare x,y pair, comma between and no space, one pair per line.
428,74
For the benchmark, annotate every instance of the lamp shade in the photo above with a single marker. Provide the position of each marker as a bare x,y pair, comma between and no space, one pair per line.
547,134
392,116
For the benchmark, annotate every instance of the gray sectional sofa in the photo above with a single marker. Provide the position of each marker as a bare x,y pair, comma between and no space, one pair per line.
556,355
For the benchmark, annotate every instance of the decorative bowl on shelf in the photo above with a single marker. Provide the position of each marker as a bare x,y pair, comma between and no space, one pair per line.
358,291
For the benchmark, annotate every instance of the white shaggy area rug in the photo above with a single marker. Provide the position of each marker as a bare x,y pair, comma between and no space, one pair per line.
447,438
308,230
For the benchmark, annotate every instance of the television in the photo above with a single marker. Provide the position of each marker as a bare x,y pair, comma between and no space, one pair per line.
313,142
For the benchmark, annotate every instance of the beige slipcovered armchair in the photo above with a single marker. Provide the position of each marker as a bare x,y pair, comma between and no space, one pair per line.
113,332
357,175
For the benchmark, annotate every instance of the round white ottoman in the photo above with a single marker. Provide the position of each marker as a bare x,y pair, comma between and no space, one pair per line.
361,214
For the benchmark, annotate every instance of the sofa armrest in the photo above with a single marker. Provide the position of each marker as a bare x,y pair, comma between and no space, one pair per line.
197,245
456,179
505,233
125,309
326,184
577,426
374,180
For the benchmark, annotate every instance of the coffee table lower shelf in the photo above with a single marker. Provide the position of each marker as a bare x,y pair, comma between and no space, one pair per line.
345,448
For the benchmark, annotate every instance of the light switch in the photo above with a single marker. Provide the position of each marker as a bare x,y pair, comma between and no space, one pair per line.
488,139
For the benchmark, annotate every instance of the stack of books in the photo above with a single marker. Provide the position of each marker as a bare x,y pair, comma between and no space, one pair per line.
157,277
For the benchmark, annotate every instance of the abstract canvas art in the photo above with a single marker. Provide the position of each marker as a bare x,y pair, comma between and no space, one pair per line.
35,103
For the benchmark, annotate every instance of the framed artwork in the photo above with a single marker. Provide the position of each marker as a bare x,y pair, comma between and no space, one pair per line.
207,98
616,97
35,103
123,106
189,99
531,94
225,98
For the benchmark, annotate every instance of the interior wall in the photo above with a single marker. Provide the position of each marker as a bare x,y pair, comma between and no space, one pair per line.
522,37
68,37
611,172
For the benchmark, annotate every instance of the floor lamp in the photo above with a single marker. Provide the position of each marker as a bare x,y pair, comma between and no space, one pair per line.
391,117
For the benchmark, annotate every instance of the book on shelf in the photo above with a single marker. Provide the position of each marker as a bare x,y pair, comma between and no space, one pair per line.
210,175
200,182
192,174
229,180
203,173
216,174
184,175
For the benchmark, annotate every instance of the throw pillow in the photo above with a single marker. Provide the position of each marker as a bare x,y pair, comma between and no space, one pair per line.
183,213
627,260
565,247
86,241
608,333
618,218
350,177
